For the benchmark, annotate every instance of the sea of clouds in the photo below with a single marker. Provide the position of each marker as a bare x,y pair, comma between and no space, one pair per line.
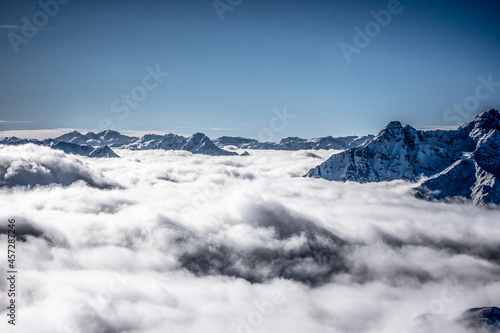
168,241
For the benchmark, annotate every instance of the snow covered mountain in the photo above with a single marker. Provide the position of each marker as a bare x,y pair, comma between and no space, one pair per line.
460,163
397,152
294,143
14,141
105,138
156,141
198,143
67,147
84,150
476,175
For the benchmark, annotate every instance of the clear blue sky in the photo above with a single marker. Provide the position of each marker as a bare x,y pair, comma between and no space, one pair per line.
226,76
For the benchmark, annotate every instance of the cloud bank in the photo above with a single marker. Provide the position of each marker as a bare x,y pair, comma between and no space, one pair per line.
30,165
170,241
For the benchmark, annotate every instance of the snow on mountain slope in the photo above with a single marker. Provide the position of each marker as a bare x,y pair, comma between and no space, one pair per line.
156,141
483,124
71,137
104,138
109,138
487,153
199,143
103,152
455,181
14,141
67,147
84,150
477,175
294,143
460,163
397,152
177,142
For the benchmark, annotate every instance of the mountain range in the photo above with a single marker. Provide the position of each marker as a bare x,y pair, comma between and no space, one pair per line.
101,144
461,163
294,143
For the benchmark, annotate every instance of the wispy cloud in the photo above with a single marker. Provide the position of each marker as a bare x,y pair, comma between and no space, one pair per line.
141,133
197,129
220,129
39,134
7,26
444,127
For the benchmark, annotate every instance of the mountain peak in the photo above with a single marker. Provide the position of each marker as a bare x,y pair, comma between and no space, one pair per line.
197,137
482,124
390,131
489,119
393,125
108,134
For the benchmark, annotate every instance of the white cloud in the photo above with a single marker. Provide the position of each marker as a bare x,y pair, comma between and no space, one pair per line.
31,165
170,248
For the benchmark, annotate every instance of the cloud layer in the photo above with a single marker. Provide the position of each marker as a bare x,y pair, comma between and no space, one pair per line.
30,165
170,241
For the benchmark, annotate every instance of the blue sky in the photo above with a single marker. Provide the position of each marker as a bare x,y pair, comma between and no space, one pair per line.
231,76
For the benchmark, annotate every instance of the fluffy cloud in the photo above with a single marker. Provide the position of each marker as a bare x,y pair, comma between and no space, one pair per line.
190,243
30,165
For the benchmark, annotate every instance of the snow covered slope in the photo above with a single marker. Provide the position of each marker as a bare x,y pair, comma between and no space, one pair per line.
460,163
67,147
156,141
198,143
397,152
294,143
85,150
105,138
14,141
476,175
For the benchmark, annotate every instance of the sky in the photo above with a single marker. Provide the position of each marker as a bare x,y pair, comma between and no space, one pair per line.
259,69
